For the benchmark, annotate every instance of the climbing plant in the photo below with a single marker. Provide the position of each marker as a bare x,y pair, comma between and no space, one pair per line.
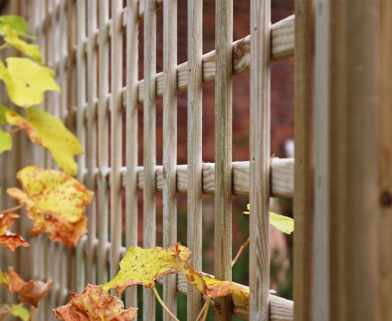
56,202
53,200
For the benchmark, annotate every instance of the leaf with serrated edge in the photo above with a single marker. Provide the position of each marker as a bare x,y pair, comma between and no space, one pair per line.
27,81
7,238
282,223
46,130
94,304
55,202
145,266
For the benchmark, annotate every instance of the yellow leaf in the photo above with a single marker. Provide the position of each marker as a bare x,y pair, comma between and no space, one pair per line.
30,50
145,266
19,311
48,131
16,23
94,304
214,288
282,223
27,81
5,141
55,202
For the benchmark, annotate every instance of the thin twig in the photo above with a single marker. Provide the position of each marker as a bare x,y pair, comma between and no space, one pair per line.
11,209
202,315
164,306
242,249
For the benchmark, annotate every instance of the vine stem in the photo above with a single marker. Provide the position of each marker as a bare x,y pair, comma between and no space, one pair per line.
164,306
11,209
242,249
204,311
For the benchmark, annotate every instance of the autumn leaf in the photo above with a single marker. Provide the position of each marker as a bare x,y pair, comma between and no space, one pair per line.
5,141
27,81
145,266
16,310
16,23
12,38
94,304
210,287
55,202
282,223
7,238
47,130
30,292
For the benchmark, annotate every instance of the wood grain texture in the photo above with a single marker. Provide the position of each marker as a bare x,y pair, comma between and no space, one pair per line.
169,144
149,144
116,67
103,144
385,156
303,197
131,198
91,137
194,147
223,150
281,31
80,120
260,131
321,134
354,208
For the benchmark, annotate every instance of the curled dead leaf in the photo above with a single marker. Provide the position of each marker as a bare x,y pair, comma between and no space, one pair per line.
7,238
94,304
55,202
30,292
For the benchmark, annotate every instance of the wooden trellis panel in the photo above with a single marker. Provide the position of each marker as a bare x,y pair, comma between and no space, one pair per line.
89,43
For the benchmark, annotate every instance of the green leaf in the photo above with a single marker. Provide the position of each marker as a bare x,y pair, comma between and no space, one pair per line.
19,311
27,81
3,111
15,23
5,141
282,223
47,130
30,50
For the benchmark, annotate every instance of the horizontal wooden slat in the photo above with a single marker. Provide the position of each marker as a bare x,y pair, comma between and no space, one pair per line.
282,47
280,309
55,12
282,177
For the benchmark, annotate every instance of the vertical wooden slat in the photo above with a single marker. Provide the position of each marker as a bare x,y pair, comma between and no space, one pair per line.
170,142
116,134
354,198
80,120
149,144
131,217
223,149
103,143
71,98
91,138
303,198
259,269
194,148
320,282
385,156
